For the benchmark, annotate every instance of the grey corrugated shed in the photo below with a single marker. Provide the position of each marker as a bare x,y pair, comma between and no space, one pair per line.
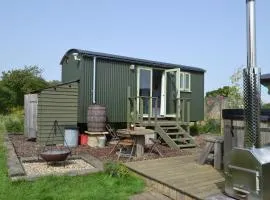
130,60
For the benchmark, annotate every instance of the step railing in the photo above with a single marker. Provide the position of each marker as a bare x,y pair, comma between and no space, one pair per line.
135,115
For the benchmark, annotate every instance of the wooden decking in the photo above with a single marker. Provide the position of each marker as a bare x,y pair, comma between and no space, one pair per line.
150,195
180,177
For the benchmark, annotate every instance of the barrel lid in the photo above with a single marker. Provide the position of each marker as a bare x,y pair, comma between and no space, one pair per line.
238,114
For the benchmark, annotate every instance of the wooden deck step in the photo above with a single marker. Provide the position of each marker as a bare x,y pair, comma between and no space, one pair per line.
150,195
181,139
176,133
186,145
170,127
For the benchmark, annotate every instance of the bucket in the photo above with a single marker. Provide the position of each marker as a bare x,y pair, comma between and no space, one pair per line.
96,118
71,136
83,139
101,141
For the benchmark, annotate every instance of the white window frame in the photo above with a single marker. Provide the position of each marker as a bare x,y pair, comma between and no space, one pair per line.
184,88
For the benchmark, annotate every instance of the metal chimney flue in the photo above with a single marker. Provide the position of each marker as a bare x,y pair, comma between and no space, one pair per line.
247,170
251,78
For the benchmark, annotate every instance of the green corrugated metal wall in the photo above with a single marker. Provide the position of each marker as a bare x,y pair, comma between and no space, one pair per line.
197,96
59,103
72,70
113,79
85,88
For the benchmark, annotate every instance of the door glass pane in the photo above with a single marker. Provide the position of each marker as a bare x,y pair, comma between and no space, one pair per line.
181,81
171,92
187,86
156,91
145,88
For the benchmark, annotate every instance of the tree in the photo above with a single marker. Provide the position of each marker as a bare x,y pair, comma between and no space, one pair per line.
266,105
225,91
233,93
7,99
54,82
22,81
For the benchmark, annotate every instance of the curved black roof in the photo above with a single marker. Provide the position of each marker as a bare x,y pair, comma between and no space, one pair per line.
130,60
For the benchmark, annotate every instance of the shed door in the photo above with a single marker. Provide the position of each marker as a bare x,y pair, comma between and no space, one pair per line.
171,91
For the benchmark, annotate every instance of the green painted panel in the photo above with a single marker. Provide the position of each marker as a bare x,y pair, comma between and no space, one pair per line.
113,79
52,106
197,96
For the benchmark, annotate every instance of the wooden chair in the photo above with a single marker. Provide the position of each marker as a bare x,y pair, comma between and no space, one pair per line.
125,145
112,132
154,146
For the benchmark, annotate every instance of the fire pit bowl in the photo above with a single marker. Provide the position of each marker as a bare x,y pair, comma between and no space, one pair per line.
55,155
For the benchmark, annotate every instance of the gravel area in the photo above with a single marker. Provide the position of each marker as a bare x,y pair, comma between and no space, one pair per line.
42,168
26,148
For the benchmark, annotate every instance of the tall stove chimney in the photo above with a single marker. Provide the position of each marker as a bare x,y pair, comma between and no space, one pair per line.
252,87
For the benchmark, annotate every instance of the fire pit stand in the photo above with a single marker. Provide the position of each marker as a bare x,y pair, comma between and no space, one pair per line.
53,154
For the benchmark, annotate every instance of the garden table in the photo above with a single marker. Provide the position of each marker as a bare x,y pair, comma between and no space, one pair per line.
138,134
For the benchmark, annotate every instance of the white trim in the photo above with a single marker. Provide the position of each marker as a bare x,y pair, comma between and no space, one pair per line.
163,95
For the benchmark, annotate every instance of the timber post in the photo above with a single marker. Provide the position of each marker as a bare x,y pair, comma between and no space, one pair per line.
128,106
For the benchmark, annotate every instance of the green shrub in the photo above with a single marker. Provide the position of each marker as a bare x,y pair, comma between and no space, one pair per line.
14,126
211,126
116,169
194,130
12,123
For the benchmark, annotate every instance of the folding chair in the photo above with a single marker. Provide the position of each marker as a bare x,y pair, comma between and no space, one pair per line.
112,132
123,145
154,146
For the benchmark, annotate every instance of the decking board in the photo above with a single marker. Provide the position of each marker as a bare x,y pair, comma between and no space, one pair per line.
182,175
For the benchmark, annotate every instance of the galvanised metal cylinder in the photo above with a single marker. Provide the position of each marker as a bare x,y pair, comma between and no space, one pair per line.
251,85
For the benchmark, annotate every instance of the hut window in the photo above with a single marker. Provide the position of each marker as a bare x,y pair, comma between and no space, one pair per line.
185,81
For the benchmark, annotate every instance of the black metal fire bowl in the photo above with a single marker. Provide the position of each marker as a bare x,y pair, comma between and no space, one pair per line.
55,155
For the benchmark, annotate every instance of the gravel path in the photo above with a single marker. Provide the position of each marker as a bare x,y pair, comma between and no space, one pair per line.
26,148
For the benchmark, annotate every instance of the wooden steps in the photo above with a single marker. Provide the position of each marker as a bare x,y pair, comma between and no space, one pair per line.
170,131
175,136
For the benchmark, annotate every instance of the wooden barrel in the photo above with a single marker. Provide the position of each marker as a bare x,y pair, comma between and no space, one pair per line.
96,118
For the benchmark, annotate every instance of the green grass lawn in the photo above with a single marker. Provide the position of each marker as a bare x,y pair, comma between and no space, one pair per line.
94,186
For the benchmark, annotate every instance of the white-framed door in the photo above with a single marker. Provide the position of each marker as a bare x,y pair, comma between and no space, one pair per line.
164,84
171,92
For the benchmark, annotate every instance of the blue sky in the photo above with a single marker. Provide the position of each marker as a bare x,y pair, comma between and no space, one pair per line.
210,34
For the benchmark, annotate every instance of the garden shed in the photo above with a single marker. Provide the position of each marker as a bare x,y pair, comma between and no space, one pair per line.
111,80
43,107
